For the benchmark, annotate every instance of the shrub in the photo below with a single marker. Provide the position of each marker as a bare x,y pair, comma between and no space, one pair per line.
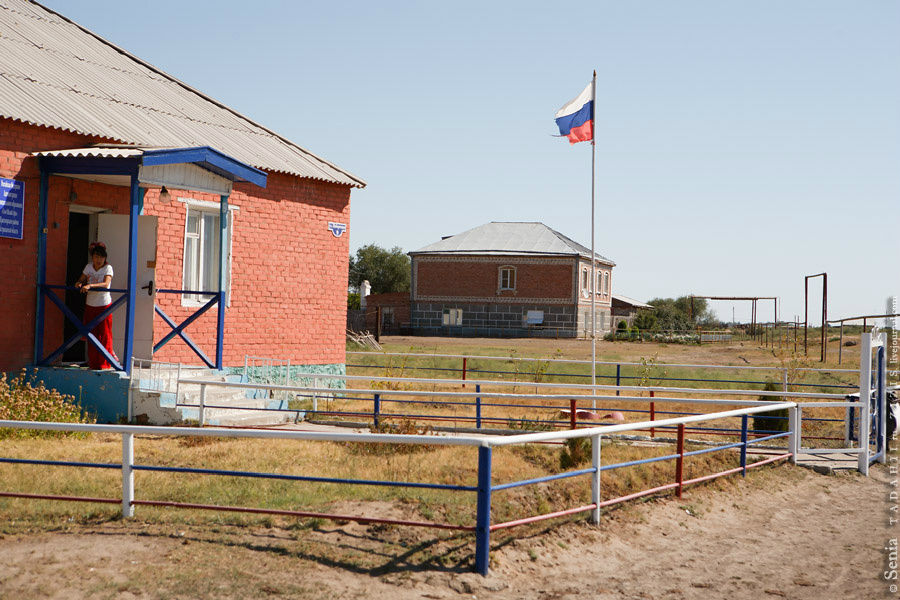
22,400
576,452
773,420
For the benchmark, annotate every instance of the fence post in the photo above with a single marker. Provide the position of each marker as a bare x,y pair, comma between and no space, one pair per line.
785,380
744,445
376,409
478,406
595,479
315,403
652,414
127,475
483,511
618,378
178,384
848,425
795,422
573,408
679,462
202,415
881,399
465,360
865,399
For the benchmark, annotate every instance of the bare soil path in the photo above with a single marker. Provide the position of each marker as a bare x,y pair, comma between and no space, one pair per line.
784,532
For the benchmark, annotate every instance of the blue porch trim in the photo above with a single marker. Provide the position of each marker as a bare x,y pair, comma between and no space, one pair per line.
134,212
211,160
84,330
202,156
179,330
89,165
41,267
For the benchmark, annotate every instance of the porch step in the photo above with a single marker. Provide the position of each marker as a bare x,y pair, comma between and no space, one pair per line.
154,400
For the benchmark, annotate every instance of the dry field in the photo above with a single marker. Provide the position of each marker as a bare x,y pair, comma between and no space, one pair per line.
783,532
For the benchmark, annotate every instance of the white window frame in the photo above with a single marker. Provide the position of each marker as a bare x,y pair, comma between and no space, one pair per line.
606,283
511,284
205,207
585,279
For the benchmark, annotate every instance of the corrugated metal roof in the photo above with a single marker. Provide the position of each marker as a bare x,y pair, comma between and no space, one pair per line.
55,73
510,238
631,301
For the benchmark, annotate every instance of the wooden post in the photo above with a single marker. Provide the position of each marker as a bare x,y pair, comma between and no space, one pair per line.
679,462
378,324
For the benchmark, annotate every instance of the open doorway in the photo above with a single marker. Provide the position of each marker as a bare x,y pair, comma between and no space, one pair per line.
76,259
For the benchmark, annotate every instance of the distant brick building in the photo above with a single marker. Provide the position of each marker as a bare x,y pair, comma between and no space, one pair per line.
83,148
508,279
626,309
394,310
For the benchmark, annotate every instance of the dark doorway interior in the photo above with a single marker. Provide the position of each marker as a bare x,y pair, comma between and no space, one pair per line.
76,259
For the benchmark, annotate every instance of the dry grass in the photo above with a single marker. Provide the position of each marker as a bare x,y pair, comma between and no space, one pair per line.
434,464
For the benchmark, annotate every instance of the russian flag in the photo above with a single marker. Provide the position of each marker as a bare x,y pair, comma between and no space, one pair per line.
576,119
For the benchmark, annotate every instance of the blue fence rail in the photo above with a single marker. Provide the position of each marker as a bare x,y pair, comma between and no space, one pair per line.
643,372
484,488
478,409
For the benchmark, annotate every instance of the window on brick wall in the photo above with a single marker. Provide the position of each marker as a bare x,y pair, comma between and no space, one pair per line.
585,280
452,316
507,278
201,255
606,283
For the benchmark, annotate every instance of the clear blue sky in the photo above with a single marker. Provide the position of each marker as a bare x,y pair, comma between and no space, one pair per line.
741,145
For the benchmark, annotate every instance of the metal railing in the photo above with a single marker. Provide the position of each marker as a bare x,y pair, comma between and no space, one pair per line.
544,372
484,489
481,410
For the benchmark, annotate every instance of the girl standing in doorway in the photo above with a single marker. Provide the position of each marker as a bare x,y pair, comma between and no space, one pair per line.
98,275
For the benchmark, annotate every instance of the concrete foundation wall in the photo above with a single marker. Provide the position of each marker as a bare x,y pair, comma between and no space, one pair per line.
494,320
101,393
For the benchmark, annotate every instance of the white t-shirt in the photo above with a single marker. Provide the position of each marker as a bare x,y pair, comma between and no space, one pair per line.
103,298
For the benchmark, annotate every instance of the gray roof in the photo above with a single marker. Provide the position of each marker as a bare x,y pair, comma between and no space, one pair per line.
631,301
510,239
55,73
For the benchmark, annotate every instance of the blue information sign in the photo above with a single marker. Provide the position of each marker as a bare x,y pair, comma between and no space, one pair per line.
12,208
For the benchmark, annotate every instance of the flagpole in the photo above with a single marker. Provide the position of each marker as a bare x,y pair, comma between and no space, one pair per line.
593,287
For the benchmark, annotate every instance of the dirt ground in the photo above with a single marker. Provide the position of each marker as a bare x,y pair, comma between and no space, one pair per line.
784,532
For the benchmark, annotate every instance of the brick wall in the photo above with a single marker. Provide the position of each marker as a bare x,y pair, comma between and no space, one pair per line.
397,302
18,268
478,277
289,273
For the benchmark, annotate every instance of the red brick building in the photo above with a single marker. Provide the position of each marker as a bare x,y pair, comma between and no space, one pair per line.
394,310
94,135
508,279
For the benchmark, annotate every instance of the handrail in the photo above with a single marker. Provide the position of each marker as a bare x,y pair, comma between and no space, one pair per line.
384,438
73,288
599,362
581,386
483,490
